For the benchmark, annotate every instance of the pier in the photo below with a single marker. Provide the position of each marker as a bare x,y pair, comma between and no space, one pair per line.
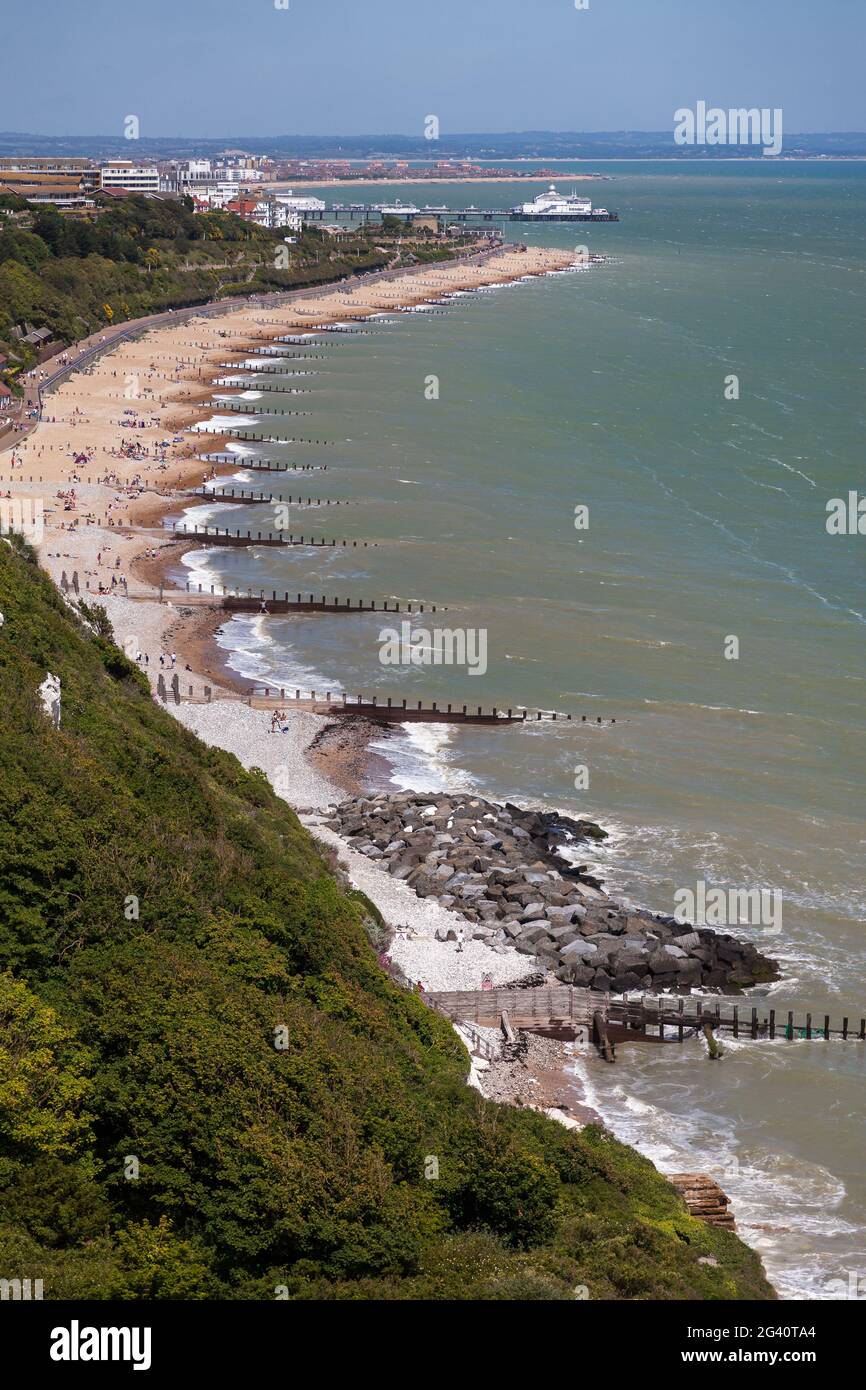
444,216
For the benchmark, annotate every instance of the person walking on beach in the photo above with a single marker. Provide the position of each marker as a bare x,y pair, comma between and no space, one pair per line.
460,938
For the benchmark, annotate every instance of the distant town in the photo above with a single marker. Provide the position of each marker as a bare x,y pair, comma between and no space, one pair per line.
234,182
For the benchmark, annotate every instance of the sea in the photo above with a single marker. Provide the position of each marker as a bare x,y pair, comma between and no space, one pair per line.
617,480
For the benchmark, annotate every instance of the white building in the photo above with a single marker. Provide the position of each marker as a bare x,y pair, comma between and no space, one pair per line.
136,178
270,212
216,195
230,172
194,171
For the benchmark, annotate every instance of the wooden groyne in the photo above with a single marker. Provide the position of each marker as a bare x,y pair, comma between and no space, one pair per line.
264,465
332,331
246,497
239,385
258,603
236,369
379,712
289,356
251,408
215,535
652,1018
396,709
254,438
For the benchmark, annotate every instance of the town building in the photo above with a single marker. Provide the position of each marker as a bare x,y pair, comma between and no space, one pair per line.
60,190
134,178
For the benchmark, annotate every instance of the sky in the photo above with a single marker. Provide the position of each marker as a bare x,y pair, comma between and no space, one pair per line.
208,68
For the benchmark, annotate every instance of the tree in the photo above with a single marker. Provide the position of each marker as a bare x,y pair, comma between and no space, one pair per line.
43,1077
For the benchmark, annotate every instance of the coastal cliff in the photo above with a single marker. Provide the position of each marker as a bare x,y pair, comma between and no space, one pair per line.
208,1085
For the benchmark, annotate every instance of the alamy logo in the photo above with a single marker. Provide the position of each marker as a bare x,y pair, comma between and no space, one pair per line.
77,1343
854,1286
22,515
704,906
441,646
846,517
20,1290
737,126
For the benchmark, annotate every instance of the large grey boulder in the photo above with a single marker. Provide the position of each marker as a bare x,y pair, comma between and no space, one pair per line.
577,950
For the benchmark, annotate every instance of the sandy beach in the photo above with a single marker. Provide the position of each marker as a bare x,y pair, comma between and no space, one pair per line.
117,447
409,180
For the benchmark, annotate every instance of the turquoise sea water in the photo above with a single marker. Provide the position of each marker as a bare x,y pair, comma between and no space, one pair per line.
706,520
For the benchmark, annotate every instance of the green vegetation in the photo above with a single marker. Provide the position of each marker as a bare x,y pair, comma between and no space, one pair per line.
140,256
208,1086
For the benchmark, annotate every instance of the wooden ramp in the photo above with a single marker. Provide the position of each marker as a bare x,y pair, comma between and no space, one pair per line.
545,1007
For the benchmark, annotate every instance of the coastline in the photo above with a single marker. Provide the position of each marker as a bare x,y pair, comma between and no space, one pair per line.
315,763
427,178
318,761
165,380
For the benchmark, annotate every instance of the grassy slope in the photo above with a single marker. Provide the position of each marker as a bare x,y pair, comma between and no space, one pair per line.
153,1038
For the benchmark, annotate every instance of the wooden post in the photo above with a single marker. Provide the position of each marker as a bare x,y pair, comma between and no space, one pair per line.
789,1033
808,1025
826,1027
736,1022
714,1049
602,1041
772,1023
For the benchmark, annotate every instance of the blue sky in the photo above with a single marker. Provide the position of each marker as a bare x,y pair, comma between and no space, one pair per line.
220,67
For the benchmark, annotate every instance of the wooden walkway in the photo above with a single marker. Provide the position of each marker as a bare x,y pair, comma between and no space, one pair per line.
543,1007
561,1010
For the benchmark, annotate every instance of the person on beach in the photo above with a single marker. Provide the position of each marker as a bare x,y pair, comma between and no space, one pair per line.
460,938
